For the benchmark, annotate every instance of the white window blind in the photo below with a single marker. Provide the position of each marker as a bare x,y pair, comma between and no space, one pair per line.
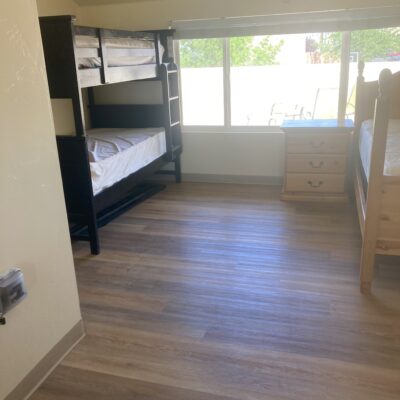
325,21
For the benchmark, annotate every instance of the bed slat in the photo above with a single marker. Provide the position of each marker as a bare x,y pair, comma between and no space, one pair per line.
135,72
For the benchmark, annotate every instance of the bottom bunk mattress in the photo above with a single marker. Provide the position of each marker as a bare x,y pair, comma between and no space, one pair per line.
115,154
392,159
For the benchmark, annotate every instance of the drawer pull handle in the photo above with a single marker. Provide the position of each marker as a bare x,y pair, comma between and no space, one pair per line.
316,145
320,165
315,185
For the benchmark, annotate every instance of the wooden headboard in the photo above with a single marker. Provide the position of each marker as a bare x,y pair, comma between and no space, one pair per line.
367,93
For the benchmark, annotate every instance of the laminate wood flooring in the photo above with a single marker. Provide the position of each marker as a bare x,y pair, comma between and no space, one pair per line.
223,292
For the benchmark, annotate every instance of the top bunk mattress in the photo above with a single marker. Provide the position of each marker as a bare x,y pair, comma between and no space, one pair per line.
85,41
95,62
115,153
122,51
392,159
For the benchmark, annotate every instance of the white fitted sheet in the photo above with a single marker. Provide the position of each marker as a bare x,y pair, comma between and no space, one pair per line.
95,62
85,41
392,159
140,52
114,154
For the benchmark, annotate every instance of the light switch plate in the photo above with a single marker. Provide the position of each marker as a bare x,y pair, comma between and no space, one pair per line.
12,290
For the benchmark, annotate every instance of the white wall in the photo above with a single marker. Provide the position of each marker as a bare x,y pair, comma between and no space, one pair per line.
33,229
57,7
252,155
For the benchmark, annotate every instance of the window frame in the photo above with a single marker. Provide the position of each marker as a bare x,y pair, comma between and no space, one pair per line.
256,129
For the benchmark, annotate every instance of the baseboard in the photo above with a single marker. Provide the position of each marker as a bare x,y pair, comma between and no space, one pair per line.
46,366
313,197
242,179
217,178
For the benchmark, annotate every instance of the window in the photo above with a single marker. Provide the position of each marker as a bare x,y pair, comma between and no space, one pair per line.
202,83
282,76
261,80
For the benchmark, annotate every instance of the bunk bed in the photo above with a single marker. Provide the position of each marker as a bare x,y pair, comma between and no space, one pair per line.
103,167
377,169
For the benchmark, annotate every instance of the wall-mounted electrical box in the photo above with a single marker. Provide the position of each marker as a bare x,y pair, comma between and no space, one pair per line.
12,290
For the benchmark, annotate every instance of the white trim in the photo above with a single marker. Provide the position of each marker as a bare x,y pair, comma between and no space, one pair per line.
344,75
227,82
308,22
232,129
238,179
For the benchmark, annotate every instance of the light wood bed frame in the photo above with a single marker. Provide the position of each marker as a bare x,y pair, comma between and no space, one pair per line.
378,206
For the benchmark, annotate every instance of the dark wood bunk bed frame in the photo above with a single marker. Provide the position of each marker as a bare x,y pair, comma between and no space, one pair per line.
86,211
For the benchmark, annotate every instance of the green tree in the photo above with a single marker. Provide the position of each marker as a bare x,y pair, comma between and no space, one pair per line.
245,53
371,44
200,53
195,53
241,50
265,52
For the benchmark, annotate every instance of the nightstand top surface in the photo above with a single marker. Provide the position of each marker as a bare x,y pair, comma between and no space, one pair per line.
318,124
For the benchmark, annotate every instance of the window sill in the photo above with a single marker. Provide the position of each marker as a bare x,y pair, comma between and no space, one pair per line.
232,129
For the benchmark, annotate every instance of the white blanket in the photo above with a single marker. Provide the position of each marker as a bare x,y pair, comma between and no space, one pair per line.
114,154
392,159
95,62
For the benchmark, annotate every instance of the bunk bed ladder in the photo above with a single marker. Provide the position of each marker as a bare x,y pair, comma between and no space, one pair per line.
171,99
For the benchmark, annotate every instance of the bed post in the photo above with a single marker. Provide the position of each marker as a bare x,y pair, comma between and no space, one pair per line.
354,161
375,182
93,234
178,171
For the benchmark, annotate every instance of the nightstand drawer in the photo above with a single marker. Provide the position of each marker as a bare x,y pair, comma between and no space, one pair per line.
317,143
315,183
335,164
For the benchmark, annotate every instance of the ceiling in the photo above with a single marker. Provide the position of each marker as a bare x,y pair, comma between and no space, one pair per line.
97,2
